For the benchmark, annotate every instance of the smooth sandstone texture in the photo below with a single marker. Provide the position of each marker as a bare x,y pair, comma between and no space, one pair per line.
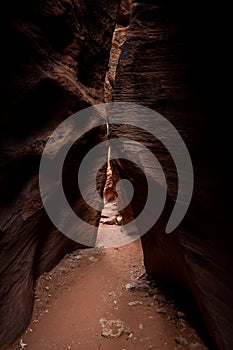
171,64
55,56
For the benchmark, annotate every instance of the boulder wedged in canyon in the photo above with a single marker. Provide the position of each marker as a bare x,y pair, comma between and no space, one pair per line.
55,56
169,62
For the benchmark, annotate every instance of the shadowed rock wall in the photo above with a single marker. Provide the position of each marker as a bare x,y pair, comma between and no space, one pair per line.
55,56
171,62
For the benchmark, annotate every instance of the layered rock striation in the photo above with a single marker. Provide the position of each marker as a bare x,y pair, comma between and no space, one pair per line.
55,56
169,63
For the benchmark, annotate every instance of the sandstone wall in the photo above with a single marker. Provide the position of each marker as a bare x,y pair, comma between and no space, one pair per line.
174,61
54,60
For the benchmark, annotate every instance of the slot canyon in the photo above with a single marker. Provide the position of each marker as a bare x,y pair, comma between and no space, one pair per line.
175,290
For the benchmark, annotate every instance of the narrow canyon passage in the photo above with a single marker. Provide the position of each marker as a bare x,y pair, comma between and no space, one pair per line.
62,58
75,300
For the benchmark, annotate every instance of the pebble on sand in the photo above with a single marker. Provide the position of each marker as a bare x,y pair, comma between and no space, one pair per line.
181,341
134,303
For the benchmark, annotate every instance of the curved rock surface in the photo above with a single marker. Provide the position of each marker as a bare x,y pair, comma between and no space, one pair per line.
54,61
170,63
55,56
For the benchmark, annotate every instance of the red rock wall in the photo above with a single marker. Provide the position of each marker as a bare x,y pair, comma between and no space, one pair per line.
174,61
54,60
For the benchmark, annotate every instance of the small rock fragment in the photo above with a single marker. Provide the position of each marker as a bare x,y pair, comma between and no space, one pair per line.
162,310
180,314
160,298
134,303
174,321
143,287
152,291
140,326
119,219
181,341
113,328
93,259
102,321
78,257
129,286
182,325
112,294
22,344
47,277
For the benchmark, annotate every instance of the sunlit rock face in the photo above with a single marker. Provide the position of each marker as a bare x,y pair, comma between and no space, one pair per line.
170,63
55,56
